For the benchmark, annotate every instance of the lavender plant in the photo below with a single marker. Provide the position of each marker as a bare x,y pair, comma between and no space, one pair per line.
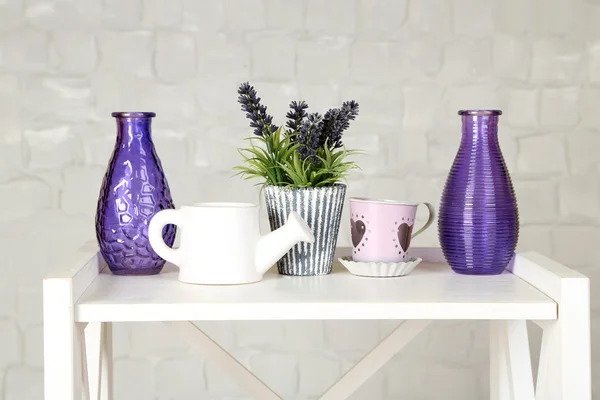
309,153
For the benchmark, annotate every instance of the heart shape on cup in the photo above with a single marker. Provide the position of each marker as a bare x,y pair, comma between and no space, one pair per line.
404,236
357,229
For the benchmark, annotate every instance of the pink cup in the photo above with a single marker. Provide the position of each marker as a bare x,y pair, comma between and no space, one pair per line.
382,229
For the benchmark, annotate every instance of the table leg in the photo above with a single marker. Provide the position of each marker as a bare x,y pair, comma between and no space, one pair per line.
98,345
63,341
510,361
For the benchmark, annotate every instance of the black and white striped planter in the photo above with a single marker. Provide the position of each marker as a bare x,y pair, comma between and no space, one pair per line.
321,208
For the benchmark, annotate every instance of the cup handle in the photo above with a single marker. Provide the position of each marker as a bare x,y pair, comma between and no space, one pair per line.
157,223
429,220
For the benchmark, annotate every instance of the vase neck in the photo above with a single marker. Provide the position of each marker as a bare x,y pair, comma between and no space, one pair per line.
480,128
130,130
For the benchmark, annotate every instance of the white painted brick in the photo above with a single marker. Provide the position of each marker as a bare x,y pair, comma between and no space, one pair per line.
133,379
34,346
23,197
589,12
387,188
441,155
511,58
472,17
203,16
554,17
175,57
334,17
245,15
421,58
23,383
351,335
11,344
58,14
557,61
317,373
452,382
285,15
265,64
542,155
422,105
81,189
579,197
582,151
10,159
221,56
333,55
467,60
77,51
372,142
171,146
121,339
11,15
26,49
376,63
429,17
49,99
320,97
406,377
571,245
122,14
98,149
536,200
560,107
466,98
594,62
588,107
50,148
381,19
514,16
127,51
157,13
521,109
278,371
535,238
409,152
303,335
155,339
258,334
378,104
180,377
222,332
8,294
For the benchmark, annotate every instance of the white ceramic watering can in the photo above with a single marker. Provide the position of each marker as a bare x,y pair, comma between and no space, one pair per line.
221,243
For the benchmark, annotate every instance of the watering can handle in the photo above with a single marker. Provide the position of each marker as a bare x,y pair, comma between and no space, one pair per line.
157,223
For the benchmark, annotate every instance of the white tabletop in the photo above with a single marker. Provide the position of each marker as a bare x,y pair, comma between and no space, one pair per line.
431,291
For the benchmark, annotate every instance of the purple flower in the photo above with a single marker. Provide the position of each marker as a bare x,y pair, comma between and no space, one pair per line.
296,115
256,112
336,121
309,137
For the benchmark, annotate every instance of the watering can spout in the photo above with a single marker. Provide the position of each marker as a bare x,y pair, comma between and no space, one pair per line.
272,246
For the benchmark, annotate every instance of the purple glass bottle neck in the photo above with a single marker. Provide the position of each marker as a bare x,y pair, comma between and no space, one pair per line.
134,128
479,127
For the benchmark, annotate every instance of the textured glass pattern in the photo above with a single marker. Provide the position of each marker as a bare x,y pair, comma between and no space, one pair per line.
133,190
478,218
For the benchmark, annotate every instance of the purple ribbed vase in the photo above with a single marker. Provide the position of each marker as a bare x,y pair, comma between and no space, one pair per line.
478,221
133,190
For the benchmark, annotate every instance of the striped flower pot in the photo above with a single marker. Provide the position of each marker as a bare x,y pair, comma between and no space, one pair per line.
321,208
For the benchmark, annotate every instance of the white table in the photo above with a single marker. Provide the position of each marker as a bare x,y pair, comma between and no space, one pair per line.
81,302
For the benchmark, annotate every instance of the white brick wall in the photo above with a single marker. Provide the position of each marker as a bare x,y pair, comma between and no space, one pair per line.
64,66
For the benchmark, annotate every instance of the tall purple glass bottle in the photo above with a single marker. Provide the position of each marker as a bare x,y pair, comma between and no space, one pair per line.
478,218
133,190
